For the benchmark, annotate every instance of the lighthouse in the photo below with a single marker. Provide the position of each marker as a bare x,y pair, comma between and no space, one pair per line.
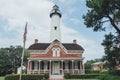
55,15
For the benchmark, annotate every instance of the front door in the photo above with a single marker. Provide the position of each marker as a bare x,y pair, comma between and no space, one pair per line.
56,67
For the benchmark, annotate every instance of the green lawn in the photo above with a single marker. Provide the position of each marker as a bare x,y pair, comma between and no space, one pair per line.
1,78
82,79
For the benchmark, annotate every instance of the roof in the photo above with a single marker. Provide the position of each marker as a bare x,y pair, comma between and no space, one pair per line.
43,46
97,63
39,46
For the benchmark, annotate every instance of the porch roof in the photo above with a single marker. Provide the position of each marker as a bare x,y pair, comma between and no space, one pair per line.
62,56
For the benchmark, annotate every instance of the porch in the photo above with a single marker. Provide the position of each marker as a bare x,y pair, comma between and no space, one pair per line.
55,67
71,71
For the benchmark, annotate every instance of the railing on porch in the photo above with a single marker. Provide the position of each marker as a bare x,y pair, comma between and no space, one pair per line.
37,71
74,71
71,71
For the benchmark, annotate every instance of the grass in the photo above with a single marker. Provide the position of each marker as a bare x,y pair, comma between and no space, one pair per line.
1,78
82,79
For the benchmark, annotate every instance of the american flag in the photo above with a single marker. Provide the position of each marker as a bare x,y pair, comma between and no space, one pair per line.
25,33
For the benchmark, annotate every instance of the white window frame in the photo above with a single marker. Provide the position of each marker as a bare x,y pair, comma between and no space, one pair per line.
56,52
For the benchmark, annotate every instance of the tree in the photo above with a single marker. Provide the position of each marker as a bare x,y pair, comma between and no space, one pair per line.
112,50
11,57
102,11
90,62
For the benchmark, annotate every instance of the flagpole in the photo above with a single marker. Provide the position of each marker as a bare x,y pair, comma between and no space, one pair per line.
22,60
24,40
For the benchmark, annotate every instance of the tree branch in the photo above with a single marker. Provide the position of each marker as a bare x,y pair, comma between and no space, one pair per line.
105,21
113,24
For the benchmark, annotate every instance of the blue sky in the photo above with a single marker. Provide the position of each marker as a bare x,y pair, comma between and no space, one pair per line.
15,13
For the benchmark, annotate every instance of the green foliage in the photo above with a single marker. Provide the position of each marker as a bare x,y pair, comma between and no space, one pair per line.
25,77
46,75
67,76
11,58
89,71
104,72
101,11
81,76
112,51
108,77
96,71
114,72
90,62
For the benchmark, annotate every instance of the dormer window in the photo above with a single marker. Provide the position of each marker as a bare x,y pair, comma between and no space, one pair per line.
56,52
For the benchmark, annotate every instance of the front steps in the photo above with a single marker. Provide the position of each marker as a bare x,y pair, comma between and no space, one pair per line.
56,77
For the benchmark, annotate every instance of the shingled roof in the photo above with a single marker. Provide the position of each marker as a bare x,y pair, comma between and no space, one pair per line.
43,46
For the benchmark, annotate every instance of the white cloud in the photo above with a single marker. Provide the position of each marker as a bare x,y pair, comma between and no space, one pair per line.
36,12
92,48
17,12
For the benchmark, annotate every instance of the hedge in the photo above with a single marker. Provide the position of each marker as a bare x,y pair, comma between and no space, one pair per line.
114,72
108,77
27,77
89,71
80,76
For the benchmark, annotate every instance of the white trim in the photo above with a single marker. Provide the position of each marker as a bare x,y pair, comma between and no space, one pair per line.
36,51
55,58
74,52
59,44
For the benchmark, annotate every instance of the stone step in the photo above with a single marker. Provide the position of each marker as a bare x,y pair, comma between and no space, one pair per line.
56,79
56,76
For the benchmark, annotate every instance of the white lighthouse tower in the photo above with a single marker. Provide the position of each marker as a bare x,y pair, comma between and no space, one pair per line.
55,16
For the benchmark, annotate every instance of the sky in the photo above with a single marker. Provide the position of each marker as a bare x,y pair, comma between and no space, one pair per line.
15,13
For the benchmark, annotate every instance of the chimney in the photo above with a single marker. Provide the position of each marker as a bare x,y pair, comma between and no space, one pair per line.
74,41
36,41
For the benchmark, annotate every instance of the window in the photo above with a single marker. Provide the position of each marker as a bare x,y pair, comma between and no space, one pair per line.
56,52
55,27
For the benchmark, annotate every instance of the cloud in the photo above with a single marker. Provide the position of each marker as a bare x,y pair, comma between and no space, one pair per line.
17,12
36,12
92,48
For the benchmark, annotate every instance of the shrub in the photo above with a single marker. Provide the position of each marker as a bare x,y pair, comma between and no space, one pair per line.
88,71
104,72
114,72
67,75
108,77
81,76
25,77
46,75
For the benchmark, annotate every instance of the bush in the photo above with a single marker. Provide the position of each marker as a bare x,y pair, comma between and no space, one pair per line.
108,77
25,77
114,72
104,72
67,75
88,71
46,76
81,76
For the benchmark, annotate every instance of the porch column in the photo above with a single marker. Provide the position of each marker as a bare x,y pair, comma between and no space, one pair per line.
39,65
50,68
28,67
81,67
62,66
73,66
